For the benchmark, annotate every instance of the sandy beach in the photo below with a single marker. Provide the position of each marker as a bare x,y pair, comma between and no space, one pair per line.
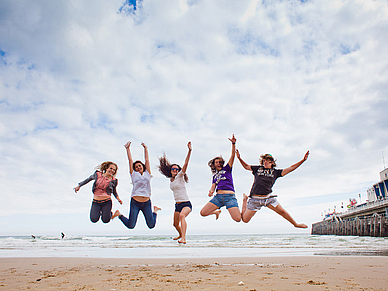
276,273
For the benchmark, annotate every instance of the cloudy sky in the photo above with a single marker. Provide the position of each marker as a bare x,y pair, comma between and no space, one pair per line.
80,78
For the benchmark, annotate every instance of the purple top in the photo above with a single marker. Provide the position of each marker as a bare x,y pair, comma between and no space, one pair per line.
223,179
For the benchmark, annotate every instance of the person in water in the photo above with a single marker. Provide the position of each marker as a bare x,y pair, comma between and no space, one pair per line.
178,178
265,176
141,191
104,185
223,186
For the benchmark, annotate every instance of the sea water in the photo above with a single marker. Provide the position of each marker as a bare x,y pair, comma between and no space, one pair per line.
198,246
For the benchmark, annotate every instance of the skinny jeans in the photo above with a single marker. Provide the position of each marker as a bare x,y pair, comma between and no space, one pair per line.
134,209
101,209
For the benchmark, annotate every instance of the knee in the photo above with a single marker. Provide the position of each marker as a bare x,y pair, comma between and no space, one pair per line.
245,220
237,219
105,220
182,216
94,219
202,213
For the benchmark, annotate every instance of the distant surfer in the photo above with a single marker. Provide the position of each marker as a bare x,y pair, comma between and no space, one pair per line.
33,236
223,187
265,176
62,235
104,185
178,179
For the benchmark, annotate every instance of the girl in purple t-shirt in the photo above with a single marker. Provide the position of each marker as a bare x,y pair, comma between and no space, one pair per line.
223,186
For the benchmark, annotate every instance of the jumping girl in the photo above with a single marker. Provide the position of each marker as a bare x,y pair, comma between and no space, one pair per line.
265,176
223,186
141,191
104,185
178,178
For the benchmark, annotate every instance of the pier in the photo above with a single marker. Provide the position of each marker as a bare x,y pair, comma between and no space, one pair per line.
368,219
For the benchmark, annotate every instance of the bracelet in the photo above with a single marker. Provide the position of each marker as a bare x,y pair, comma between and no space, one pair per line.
233,143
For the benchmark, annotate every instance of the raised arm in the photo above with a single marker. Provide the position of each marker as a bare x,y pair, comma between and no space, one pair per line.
242,162
130,160
146,158
233,154
184,168
295,166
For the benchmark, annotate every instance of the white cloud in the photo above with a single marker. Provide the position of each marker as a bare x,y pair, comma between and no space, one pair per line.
79,79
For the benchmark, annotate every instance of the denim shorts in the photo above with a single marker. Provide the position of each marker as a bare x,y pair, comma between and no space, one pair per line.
255,203
180,206
228,200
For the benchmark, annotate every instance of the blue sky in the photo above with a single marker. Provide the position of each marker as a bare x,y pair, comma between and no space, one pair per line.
79,79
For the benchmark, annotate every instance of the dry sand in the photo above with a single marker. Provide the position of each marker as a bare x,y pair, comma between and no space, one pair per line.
276,273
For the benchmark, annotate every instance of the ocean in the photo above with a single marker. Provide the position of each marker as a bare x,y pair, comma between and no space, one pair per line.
198,246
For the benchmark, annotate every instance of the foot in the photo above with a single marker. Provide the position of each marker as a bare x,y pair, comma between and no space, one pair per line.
178,237
182,241
156,209
245,197
217,213
301,225
117,213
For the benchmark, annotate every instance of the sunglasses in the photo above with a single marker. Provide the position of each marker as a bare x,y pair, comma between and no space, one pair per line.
174,169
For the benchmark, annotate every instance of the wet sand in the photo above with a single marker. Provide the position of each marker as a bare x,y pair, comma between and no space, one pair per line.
276,273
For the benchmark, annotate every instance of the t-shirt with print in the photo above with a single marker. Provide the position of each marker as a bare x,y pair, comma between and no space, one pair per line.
264,180
223,179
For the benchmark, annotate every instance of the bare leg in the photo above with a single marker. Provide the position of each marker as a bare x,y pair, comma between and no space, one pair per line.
235,214
210,209
244,204
117,213
246,214
281,211
182,218
176,225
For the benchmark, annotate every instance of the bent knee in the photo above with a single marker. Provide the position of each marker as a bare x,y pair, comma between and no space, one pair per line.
237,219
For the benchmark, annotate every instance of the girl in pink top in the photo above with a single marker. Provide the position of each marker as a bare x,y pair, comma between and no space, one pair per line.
104,185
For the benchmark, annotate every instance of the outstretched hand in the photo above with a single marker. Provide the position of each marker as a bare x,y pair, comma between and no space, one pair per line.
237,154
233,139
76,189
306,155
144,145
127,145
189,145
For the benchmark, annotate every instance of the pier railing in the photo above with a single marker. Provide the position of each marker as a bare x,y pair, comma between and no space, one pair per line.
365,209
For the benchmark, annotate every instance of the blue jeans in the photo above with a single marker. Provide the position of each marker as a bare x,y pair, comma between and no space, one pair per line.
101,209
134,209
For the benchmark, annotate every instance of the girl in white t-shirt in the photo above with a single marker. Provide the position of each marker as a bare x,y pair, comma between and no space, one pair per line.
141,191
178,178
